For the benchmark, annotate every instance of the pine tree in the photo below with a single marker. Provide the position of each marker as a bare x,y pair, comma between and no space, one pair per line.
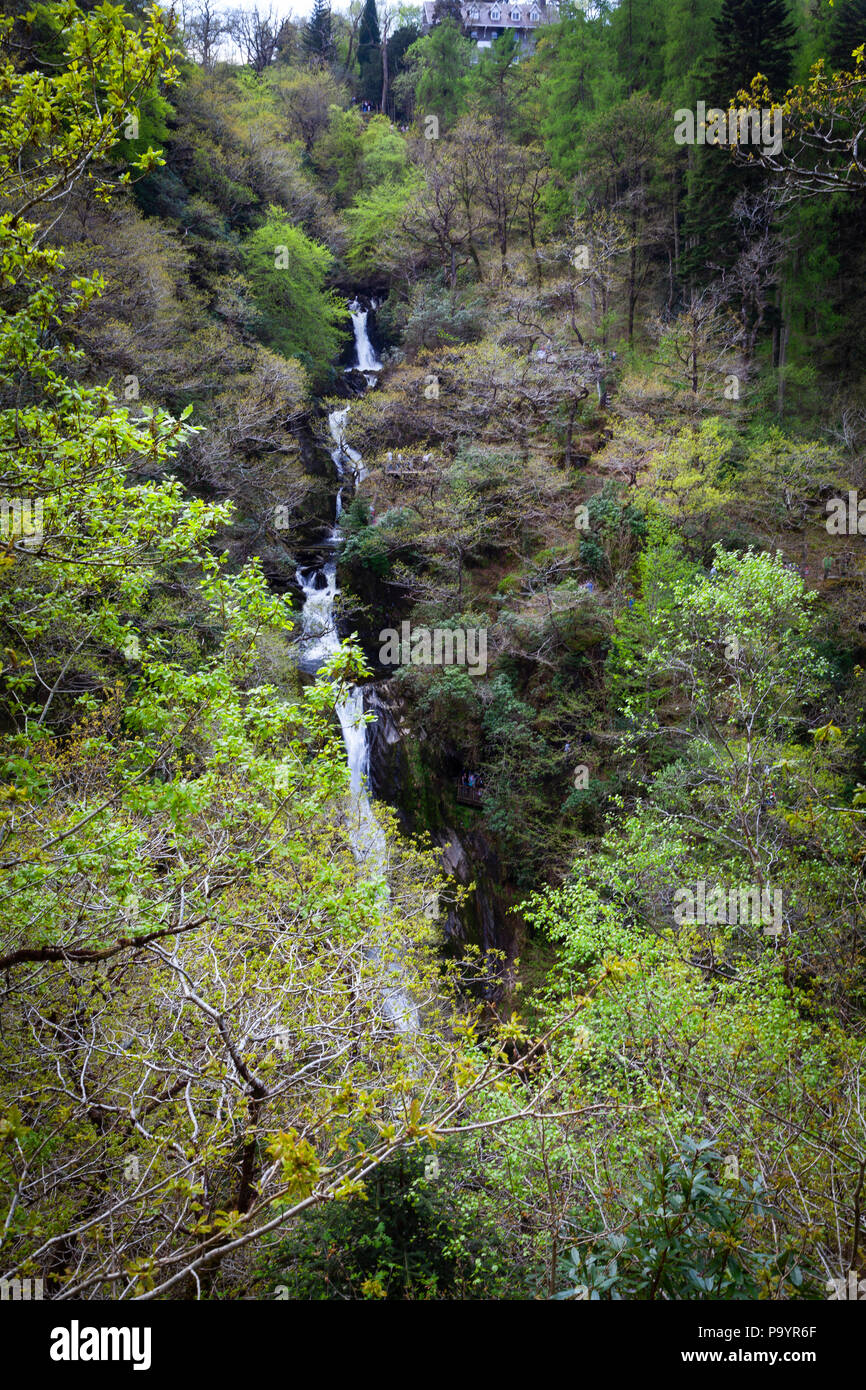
369,37
846,32
400,106
318,38
688,37
752,36
442,85
370,53
637,30
578,78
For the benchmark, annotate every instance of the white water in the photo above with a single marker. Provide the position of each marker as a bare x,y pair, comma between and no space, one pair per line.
319,641
340,453
367,362
319,634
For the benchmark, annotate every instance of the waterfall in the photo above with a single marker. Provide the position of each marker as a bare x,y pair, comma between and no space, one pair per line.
319,641
319,634
340,453
367,362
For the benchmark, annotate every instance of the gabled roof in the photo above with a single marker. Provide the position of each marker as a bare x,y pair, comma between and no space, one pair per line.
502,14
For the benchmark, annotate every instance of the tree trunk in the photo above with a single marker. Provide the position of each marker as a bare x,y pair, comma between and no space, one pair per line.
353,33
569,435
632,279
676,224
384,74
783,357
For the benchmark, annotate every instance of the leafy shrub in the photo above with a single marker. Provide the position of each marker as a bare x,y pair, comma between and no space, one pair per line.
300,317
435,320
688,1238
406,1239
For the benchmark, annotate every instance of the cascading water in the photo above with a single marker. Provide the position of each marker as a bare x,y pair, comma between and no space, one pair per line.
368,362
340,453
319,641
319,638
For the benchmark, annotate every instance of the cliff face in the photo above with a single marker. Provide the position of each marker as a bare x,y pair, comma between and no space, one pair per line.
425,802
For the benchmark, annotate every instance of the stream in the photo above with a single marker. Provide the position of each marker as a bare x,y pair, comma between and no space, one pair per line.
319,641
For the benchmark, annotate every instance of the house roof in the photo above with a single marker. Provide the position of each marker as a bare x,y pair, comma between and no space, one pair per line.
502,14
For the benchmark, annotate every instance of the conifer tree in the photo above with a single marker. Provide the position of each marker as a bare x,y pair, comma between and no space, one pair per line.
637,30
370,54
688,38
847,30
752,36
318,37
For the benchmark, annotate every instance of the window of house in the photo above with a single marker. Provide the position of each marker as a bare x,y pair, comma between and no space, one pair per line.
535,16
515,15
495,12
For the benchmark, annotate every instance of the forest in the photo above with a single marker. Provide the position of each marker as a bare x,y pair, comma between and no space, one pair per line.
433,607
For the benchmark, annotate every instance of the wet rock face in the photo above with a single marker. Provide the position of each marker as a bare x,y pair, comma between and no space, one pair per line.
380,609
454,856
389,765
356,381
423,803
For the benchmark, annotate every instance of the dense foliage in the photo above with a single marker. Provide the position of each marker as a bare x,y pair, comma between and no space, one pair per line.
622,387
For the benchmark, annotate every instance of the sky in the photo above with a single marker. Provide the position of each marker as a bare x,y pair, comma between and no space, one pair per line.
301,9
298,8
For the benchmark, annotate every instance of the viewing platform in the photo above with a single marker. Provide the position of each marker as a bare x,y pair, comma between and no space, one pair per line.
469,796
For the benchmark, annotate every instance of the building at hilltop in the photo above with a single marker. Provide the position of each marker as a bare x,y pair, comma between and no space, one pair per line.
485,22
